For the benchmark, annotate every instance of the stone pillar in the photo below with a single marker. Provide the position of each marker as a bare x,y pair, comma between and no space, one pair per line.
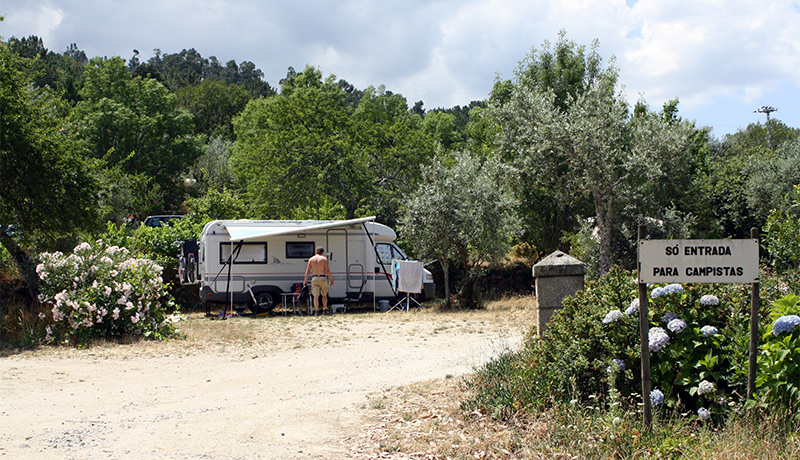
556,276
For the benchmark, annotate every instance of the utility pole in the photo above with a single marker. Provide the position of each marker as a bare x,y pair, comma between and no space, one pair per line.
767,110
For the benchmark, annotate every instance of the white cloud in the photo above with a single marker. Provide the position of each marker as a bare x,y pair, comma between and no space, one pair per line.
709,53
44,18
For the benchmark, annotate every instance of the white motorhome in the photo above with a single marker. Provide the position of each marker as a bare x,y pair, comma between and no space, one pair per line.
253,262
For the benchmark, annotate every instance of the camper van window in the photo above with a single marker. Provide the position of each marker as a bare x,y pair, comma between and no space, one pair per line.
251,253
299,250
387,252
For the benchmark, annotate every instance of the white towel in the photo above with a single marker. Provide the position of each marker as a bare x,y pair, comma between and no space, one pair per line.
409,276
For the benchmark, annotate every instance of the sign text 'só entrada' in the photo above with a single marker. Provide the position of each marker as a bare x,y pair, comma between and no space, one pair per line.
698,261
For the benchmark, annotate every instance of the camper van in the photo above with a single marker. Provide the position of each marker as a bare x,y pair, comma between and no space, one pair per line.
254,262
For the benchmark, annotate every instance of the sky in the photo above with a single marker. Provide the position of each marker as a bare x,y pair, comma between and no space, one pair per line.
724,59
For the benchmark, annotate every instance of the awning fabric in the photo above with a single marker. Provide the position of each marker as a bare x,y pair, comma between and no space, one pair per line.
249,232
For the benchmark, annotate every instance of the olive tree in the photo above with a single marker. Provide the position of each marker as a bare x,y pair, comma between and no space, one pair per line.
582,143
460,214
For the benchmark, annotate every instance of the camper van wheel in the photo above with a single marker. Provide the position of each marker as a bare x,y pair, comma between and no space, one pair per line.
265,301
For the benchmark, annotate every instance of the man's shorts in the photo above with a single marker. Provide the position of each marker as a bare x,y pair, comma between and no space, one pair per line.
319,285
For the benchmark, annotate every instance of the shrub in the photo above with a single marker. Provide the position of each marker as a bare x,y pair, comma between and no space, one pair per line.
778,381
102,291
782,233
699,338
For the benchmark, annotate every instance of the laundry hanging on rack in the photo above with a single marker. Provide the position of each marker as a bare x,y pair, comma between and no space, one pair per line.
409,276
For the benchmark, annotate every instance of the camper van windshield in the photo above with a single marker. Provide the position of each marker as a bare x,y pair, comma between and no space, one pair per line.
387,252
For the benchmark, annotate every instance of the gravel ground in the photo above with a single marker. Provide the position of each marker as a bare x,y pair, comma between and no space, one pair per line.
245,388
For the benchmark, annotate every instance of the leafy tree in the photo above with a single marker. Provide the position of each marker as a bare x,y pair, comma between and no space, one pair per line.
61,73
782,233
188,68
135,127
442,127
459,215
742,180
212,169
48,188
771,177
573,137
213,104
307,147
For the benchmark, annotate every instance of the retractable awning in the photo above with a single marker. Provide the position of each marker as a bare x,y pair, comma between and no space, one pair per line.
250,232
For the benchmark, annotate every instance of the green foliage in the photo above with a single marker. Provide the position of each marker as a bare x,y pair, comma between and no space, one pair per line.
102,291
782,234
309,145
212,169
771,178
572,138
188,67
591,354
778,380
48,186
60,73
217,204
459,213
159,244
135,126
213,105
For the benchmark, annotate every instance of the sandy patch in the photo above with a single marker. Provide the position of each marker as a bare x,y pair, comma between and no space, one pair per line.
245,388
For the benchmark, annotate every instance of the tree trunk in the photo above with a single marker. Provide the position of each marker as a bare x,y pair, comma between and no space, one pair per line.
24,263
467,297
446,272
603,213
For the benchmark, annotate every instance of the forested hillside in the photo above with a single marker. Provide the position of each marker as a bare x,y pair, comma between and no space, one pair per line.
555,157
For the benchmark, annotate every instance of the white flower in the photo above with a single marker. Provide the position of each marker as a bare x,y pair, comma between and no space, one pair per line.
705,387
656,397
633,308
612,316
667,317
82,247
656,293
709,300
703,413
658,338
708,330
677,325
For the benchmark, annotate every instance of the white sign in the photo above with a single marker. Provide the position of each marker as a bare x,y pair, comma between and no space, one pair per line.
698,261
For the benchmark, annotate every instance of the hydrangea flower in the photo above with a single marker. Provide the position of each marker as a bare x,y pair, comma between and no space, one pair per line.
669,316
705,387
703,413
709,299
656,293
709,330
656,397
633,308
658,338
677,325
666,290
785,324
616,365
612,316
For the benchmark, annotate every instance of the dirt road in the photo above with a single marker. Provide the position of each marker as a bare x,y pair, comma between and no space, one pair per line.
245,388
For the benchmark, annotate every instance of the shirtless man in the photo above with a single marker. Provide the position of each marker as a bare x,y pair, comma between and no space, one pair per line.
318,264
